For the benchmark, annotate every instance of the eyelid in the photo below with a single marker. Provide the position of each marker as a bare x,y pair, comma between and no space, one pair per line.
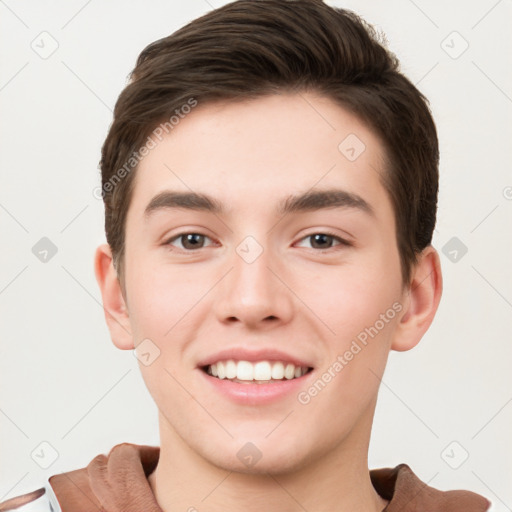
341,241
183,233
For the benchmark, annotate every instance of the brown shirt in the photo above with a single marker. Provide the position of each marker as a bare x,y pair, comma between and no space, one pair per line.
118,483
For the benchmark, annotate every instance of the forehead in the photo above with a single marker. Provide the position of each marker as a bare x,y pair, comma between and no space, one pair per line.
248,154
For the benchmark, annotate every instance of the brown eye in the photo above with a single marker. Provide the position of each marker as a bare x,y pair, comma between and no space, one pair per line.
322,240
189,241
325,240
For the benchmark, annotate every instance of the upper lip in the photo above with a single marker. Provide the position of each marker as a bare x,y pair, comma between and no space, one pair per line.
244,354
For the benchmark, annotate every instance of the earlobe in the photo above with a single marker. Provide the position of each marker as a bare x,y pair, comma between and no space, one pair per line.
114,305
422,299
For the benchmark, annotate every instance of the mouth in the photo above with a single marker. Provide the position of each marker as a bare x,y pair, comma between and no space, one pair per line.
257,372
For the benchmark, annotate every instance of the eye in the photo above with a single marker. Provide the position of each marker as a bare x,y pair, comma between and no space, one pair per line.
194,241
189,241
325,240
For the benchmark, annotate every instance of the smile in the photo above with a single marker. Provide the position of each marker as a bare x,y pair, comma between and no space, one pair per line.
257,372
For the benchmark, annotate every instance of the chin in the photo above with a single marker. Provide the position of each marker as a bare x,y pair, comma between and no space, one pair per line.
259,455
268,464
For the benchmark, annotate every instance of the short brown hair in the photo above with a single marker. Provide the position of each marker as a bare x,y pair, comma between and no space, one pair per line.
252,48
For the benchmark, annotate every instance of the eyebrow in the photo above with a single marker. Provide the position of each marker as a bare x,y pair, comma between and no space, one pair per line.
308,201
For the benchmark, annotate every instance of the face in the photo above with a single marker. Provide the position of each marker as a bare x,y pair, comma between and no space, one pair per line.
263,278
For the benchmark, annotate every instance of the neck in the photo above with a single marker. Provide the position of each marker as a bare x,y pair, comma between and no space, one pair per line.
335,481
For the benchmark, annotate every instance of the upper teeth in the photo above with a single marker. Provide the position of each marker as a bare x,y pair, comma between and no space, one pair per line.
261,370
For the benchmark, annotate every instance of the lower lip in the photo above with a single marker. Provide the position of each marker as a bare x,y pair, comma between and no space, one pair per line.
257,394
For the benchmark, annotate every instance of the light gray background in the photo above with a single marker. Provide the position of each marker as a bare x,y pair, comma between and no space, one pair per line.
62,380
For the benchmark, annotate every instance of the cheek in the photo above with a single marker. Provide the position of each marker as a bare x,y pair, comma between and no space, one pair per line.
350,298
162,296
165,302
359,305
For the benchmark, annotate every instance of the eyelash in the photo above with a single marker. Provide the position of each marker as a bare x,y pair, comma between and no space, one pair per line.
342,241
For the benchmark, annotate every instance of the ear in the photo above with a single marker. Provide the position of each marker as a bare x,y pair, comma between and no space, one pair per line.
114,305
421,300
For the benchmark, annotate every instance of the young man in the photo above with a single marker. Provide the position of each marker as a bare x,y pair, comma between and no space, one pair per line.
270,184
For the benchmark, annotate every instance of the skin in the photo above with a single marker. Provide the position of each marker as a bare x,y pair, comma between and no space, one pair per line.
294,296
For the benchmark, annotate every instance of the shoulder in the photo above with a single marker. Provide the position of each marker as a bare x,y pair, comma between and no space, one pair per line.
407,492
40,500
81,490
62,492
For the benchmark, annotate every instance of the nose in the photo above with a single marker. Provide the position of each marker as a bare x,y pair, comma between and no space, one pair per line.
254,293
